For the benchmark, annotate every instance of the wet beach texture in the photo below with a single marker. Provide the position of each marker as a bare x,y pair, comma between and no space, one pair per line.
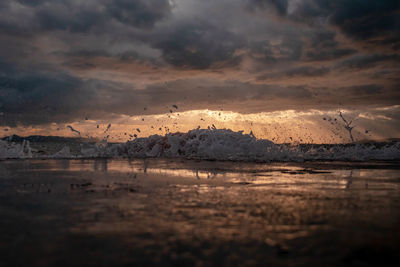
165,212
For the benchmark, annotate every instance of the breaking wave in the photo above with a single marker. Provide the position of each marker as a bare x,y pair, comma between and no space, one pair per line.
13,150
211,144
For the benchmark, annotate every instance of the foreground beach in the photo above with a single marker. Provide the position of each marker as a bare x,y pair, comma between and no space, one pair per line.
103,212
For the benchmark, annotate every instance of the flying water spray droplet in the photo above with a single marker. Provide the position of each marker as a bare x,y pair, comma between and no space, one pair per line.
108,128
73,130
347,126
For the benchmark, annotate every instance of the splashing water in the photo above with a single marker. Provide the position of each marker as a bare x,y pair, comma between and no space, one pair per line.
73,130
347,126
108,128
13,150
214,144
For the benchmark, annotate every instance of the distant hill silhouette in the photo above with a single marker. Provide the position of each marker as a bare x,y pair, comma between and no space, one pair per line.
40,138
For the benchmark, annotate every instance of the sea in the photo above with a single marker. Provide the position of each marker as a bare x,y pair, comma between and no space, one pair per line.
203,198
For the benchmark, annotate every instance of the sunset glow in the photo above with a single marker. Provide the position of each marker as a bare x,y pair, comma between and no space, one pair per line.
273,68
288,126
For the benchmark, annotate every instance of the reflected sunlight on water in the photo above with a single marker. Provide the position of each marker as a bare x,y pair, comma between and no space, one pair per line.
248,174
158,207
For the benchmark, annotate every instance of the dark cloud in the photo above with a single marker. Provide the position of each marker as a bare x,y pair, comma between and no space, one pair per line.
359,19
304,71
367,19
288,49
32,2
38,95
59,17
365,61
143,13
85,53
322,39
279,5
35,97
324,46
82,16
307,71
60,59
310,11
322,55
368,89
198,45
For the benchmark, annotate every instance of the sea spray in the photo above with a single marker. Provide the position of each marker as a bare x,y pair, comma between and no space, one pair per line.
225,144
213,144
15,150
347,126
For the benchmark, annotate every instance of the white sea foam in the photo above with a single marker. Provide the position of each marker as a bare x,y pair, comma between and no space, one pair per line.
13,150
214,144
65,152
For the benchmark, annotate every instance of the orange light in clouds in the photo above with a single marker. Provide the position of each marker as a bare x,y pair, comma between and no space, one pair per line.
311,126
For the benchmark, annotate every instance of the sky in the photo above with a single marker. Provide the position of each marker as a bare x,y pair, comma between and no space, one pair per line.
281,69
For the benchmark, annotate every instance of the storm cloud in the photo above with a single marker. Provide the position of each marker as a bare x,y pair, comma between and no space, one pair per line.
360,20
64,60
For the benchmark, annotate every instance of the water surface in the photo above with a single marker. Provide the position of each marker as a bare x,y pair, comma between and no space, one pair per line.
206,213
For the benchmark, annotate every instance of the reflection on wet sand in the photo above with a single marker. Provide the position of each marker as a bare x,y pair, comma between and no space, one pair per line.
173,212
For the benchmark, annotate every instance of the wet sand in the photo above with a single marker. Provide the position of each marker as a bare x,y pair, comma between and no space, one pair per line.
198,213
